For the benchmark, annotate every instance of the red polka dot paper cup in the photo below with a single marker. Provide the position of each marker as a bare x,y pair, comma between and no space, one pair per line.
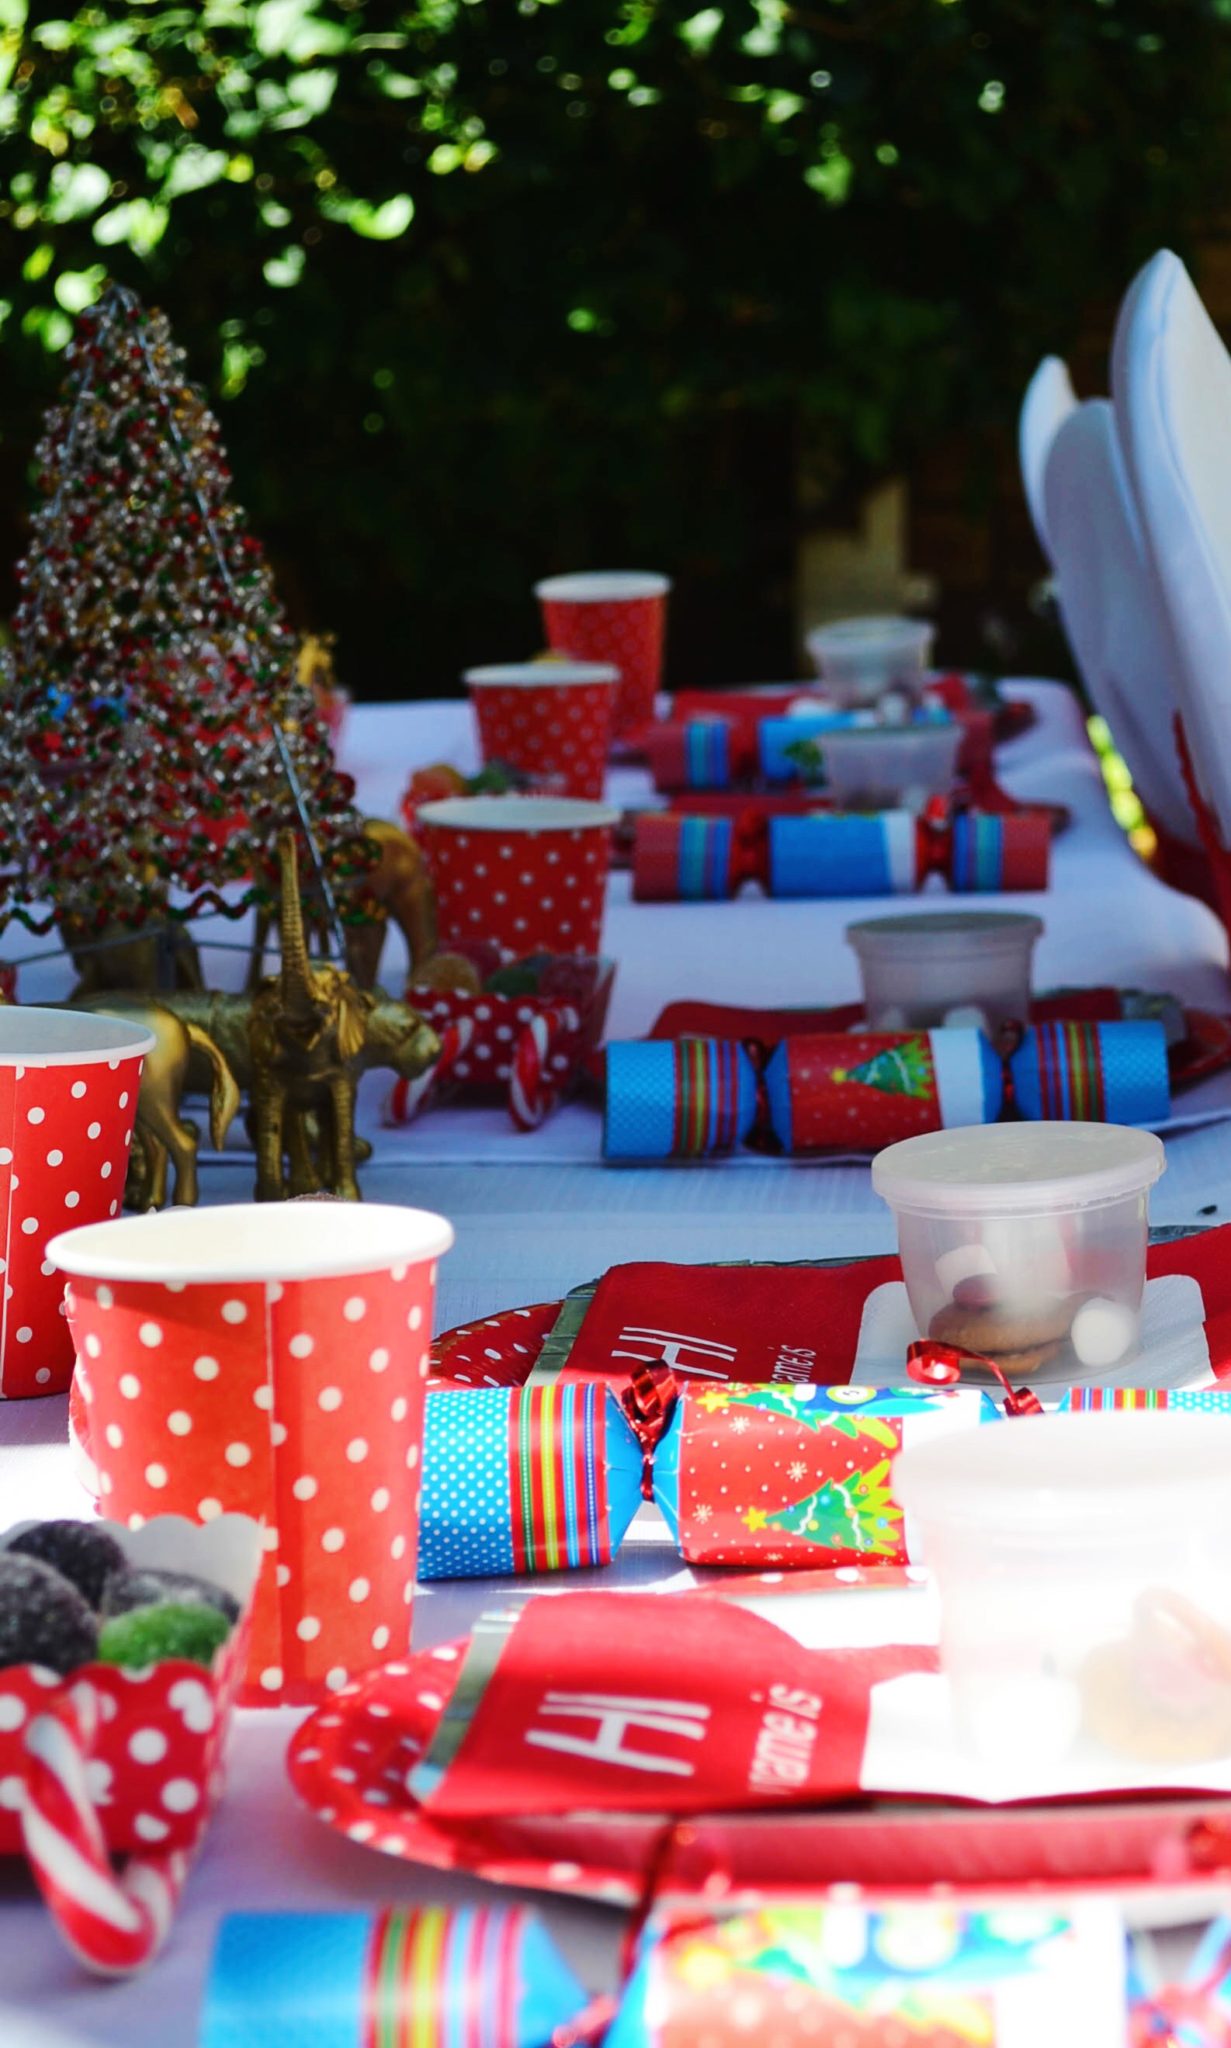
616,615
527,871
68,1096
270,1361
552,720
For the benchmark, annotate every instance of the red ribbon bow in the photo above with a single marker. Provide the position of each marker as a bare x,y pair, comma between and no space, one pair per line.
940,1365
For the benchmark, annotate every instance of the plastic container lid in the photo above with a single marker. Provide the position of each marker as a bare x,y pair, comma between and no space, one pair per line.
943,931
600,586
517,814
532,675
1122,1465
1017,1169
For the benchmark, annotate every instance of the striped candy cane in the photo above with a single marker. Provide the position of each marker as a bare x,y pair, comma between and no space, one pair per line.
407,1098
114,1924
533,1091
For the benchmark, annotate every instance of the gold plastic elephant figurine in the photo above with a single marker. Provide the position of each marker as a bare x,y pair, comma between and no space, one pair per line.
307,1035
162,1136
396,889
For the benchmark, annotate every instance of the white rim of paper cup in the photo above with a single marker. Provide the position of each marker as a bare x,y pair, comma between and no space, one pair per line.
532,675
32,1037
517,814
935,930
240,1241
1017,1169
602,586
1042,1482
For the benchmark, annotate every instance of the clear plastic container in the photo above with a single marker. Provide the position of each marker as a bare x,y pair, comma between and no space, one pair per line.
1081,1563
859,659
1025,1243
971,966
883,767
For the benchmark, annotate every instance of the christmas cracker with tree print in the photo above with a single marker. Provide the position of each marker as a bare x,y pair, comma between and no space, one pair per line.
534,1479
691,1098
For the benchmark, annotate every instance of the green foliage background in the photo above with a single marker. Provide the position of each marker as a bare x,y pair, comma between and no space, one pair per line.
489,287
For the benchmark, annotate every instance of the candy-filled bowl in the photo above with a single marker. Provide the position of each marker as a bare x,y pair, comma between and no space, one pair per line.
1023,1242
182,1704
522,1029
122,1653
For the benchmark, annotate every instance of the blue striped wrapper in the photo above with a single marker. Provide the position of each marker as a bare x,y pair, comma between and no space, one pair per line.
434,1977
1095,1073
677,1098
833,856
525,1479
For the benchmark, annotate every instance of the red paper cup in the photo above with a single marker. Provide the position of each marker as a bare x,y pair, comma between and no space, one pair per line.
68,1096
527,871
612,615
270,1361
550,719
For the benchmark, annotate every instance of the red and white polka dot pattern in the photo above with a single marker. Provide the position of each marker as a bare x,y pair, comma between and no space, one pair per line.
297,1402
530,884
500,1351
558,732
65,1133
624,629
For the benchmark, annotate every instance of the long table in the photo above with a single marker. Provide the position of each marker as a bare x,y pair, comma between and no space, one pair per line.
537,1214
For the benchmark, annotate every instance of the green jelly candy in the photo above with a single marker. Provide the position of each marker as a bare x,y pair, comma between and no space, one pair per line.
518,979
148,1635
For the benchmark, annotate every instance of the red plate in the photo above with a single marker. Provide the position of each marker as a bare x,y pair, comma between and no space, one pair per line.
350,1759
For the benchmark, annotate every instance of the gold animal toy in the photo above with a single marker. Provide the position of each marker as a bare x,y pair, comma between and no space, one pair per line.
162,1136
395,889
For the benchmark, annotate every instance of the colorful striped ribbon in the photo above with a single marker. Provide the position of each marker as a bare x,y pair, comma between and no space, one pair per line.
977,855
559,1516
440,1979
1070,1070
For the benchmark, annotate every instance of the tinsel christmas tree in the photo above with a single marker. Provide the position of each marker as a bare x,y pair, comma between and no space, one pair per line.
154,735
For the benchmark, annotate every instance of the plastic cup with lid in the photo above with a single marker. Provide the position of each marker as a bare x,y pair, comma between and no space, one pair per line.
1025,1242
1085,1602
859,659
918,969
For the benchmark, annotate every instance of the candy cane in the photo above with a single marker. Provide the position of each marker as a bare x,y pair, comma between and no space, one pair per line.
532,1091
406,1098
114,1924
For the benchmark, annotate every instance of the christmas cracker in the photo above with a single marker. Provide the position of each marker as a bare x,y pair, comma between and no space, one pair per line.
548,1478
696,859
695,1098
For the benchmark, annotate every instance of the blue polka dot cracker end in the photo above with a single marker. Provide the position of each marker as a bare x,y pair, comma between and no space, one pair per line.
535,1479
426,1977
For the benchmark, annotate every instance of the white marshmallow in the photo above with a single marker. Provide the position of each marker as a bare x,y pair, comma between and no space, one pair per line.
967,1016
1103,1331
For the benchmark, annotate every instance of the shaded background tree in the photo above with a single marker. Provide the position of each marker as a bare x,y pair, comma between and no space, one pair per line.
485,290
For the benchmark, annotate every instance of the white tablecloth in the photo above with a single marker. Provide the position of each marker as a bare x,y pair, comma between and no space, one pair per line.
537,1214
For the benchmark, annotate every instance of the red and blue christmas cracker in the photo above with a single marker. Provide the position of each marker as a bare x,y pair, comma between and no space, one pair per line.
695,859
694,1098
534,1479
761,1476
718,752
428,1977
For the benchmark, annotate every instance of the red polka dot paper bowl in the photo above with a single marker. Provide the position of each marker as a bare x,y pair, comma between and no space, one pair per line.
150,1741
